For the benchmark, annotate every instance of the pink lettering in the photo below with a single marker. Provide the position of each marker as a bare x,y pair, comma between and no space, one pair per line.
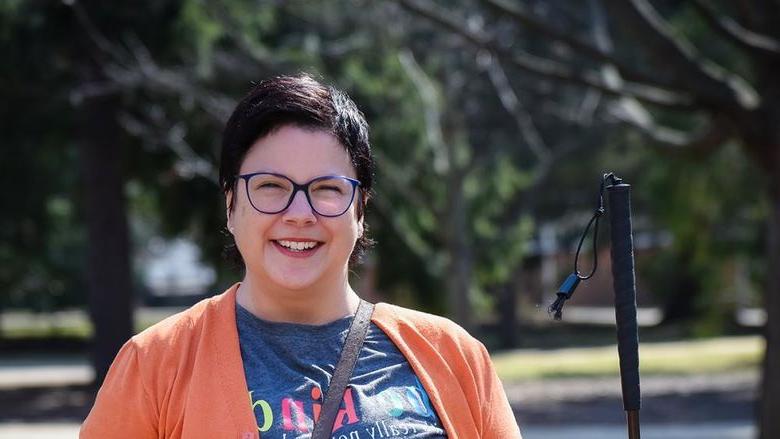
289,406
347,412
316,394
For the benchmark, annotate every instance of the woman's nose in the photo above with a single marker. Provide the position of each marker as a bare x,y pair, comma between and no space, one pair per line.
299,212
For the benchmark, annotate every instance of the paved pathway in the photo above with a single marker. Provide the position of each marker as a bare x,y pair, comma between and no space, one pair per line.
41,371
38,431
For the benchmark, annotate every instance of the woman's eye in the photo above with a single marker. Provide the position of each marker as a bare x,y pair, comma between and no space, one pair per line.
334,189
269,185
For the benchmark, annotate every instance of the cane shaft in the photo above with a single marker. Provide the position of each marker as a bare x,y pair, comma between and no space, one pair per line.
625,294
632,421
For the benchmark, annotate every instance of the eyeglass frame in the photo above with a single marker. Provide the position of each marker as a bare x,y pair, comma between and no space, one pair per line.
300,187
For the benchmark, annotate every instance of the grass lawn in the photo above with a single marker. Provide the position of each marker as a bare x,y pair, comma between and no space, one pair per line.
681,357
69,323
696,356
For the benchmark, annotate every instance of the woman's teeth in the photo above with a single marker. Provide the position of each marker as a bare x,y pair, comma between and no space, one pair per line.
298,245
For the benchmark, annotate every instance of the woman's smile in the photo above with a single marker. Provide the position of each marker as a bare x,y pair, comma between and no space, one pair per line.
297,248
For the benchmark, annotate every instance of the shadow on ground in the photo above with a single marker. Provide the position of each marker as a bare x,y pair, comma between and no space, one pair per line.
46,404
699,407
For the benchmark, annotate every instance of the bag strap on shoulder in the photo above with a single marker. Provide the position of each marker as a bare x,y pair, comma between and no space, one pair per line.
323,427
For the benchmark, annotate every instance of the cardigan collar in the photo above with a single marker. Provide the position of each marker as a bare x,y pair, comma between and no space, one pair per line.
227,353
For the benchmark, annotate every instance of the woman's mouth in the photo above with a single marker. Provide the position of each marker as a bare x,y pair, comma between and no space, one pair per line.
296,248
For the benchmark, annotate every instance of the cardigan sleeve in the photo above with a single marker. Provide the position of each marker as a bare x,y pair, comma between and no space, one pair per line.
498,418
124,406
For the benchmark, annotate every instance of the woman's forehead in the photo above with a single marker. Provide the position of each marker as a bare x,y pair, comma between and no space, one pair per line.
299,153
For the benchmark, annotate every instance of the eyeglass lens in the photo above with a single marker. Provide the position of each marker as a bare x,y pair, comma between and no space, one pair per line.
272,194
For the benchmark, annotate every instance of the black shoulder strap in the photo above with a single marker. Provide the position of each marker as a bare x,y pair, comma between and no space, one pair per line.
338,384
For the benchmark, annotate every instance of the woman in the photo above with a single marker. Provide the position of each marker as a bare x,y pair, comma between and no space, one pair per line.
258,359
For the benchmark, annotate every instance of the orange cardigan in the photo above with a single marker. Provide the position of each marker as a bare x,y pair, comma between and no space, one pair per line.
183,377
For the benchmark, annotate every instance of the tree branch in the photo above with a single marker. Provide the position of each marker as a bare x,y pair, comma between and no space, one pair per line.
710,83
161,132
525,200
134,66
536,24
92,31
736,33
546,67
154,77
514,106
700,142
397,175
434,260
631,111
432,110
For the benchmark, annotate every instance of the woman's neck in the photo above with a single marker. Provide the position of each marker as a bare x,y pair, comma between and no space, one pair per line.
312,306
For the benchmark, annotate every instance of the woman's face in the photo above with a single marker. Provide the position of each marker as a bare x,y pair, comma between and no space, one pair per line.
265,240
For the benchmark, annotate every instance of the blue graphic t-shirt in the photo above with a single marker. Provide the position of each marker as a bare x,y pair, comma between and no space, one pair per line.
289,366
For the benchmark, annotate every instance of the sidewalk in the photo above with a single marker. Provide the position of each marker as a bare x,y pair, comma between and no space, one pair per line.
42,370
38,431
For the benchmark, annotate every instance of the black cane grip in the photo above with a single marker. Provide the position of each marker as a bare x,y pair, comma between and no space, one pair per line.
625,293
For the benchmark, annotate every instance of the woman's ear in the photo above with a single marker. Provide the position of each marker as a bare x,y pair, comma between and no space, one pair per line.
228,210
362,212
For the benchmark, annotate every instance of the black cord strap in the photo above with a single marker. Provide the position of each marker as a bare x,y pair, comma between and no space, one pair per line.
323,427
566,290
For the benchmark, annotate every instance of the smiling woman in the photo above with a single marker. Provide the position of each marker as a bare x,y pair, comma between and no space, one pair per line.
291,351
296,258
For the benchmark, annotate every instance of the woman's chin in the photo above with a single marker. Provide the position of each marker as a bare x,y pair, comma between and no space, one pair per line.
295,279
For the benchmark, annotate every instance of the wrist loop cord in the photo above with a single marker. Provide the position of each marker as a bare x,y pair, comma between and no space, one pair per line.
566,290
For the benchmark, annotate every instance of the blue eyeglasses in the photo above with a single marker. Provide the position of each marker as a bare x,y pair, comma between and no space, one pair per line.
329,195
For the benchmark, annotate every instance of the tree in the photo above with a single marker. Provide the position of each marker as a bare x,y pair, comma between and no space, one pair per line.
729,91
63,90
484,162
39,210
102,145
163,95
121,93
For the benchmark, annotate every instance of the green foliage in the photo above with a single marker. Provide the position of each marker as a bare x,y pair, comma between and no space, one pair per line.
41,231
714,210
216,49
199,29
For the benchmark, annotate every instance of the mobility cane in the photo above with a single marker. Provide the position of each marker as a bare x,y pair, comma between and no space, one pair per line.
622,253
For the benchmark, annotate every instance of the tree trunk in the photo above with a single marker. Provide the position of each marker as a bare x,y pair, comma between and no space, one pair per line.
679,303
108,249
508,314
460,265
770,398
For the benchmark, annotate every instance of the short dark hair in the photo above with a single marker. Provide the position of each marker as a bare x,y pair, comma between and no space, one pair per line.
304,102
